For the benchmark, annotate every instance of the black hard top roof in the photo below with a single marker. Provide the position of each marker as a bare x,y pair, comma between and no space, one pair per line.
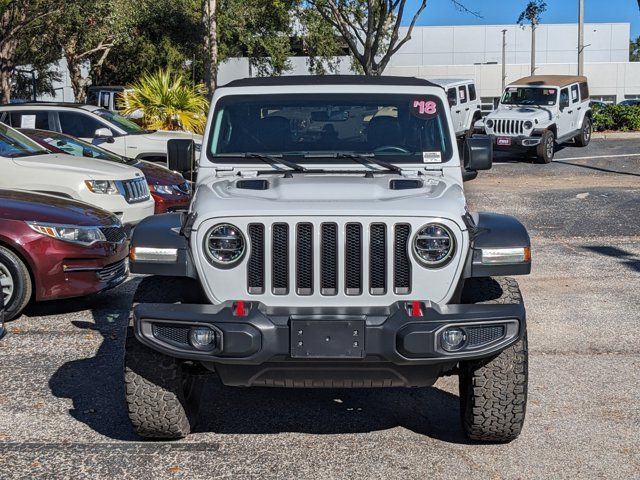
288,80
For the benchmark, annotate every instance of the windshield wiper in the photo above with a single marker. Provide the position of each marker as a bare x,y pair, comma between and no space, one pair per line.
366,159
270,159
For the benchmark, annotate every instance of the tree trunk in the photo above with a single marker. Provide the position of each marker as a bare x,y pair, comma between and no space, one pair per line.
77,82
211,43
7,55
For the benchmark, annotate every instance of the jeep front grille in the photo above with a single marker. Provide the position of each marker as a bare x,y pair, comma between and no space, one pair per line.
341,260
135,190
509,127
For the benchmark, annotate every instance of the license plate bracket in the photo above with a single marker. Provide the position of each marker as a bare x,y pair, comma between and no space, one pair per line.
504,141
327,339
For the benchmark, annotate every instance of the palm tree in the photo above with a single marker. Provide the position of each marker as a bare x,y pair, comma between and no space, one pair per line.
167,101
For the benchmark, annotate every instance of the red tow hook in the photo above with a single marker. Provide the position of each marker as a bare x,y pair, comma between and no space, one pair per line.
415,309
240,309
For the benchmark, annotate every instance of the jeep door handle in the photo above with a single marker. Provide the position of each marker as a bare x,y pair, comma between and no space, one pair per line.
579,108
466,109
457,111
570,111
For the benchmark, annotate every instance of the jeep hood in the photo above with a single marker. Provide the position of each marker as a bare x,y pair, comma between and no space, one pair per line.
89,168
329,195
515,112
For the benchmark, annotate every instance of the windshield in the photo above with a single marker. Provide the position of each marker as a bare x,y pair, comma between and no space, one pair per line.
76,147
317,128
13,144
529,96
120,121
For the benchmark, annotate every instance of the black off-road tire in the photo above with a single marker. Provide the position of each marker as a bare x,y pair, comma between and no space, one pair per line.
546,148
162,392
21,281
493,391
584,137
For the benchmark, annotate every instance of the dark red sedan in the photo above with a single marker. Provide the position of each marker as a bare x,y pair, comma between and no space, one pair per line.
52,248
169,189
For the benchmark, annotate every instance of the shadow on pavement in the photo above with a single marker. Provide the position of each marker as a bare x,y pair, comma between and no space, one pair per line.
627,259
95,384
427,411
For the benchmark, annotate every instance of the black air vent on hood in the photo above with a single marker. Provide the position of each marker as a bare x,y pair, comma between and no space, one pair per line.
253,184
405,184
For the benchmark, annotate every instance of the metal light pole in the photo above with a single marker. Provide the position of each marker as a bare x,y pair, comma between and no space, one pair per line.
580,37
504,57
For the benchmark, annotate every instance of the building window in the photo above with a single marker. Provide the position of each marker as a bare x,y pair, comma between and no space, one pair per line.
632,97
604,98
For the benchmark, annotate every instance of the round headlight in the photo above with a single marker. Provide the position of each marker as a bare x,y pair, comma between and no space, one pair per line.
528,125
434,245
224,245
490,123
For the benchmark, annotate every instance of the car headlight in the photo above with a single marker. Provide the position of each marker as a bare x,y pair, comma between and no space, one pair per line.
434,245
106,187
489,123
528,125
70,233
163,189
224,245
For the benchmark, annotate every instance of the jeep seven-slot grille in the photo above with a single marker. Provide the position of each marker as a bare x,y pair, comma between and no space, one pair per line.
509,127
386,244
280,259
255,267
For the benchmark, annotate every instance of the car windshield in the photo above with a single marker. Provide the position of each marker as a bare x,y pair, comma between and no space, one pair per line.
76,147
322,128
120,122
529,96
14,145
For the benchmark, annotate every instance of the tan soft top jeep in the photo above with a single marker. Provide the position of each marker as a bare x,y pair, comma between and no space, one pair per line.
539,112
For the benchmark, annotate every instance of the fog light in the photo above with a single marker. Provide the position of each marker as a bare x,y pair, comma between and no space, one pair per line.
202,338
453,339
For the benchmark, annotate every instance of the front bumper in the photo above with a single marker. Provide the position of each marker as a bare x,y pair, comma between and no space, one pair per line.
170,203
388,339
521,141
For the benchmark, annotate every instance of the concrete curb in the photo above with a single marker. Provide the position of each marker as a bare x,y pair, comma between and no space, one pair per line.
616,135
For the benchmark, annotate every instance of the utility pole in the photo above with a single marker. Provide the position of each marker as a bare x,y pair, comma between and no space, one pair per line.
504,57
534,25
580,37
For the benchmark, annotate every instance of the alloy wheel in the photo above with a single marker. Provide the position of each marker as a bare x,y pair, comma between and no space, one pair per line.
6,283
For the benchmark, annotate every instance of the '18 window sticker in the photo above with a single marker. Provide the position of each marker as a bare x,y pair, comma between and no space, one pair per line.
424,108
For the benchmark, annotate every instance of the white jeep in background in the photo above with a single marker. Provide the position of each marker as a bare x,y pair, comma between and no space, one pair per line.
329,244
464,102
96,125
540,112
117,188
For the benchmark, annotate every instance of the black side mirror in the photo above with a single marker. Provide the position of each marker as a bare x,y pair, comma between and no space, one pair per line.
477,154
181,155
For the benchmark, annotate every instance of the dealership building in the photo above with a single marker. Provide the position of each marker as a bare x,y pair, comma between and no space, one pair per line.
476,52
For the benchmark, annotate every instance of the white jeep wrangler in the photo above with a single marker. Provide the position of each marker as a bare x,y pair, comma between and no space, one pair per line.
464,102
540,112
329,245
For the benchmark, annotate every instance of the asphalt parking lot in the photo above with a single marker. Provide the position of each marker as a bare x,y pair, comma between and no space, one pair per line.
62,412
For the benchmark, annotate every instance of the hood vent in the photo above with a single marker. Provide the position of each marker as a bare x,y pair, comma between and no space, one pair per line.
254,184
405,184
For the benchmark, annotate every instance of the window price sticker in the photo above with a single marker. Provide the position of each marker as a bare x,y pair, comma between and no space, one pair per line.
431,157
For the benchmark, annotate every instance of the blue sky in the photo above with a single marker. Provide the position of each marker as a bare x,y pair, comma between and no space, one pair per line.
442,12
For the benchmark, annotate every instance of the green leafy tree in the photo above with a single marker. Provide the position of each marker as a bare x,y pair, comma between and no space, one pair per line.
531,14
370,28
634,50
21,21
87,32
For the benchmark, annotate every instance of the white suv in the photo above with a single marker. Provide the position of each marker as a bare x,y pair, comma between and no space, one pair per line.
118,188
464,102
96,125
539,112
